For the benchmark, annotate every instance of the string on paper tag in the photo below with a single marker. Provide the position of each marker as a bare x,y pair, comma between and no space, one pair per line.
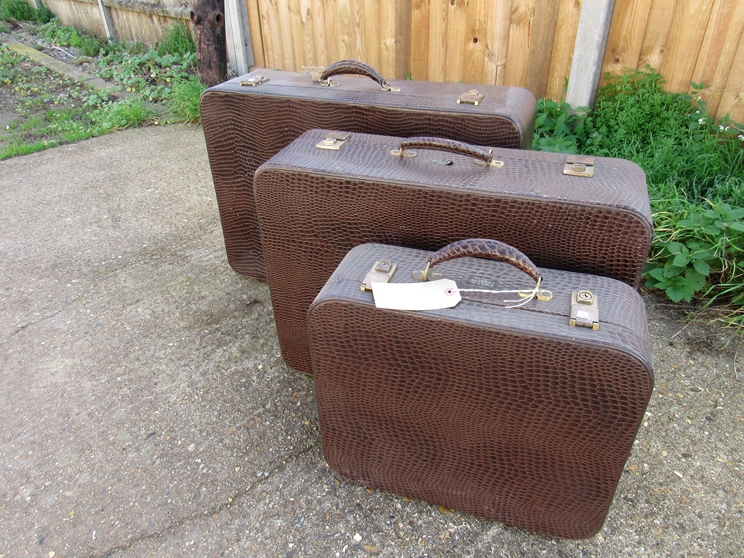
434,295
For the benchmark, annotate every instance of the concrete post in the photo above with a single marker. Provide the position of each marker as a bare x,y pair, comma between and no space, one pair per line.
239,47
589,50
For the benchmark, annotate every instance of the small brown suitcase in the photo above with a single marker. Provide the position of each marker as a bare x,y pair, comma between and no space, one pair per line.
315,204
505,413
248,119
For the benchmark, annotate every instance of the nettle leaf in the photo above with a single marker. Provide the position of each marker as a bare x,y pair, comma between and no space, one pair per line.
694,280
702,267
710,228
670,270
734,214
680,260
675,247
677,293
737,226
656,273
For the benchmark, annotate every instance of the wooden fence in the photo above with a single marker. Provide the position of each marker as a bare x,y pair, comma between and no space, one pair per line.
529,43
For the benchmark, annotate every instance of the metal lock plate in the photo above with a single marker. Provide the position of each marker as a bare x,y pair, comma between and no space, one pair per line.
584,310
578,165
381,272
472,97
334,141
254,81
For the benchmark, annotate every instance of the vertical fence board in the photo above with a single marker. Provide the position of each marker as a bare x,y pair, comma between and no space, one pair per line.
566,27
497,45
718,50
686,37
257,41
388,34
403,14
332,39
454,38
629,21
367,48
542,34
518,53
437,45
269,32
474,40
732,97
420,39
658,26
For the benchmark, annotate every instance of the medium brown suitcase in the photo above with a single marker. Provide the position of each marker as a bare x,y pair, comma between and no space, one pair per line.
248,119
507,413
314,205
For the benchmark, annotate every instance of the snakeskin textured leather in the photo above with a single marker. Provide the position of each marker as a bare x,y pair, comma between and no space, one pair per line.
315,205
509,414
486,248
244,126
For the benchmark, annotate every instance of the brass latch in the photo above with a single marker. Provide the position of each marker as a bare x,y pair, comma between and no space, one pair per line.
578,165
381,272
255,80
472,97
584,310
334,141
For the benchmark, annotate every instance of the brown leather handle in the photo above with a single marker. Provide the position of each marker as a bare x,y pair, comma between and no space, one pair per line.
489,249
448,145
352,67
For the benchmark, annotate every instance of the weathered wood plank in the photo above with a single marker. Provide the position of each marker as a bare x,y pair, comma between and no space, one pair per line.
438,12
732,95
403,15
629,21
658,26
685,39
718,50
542,34
254,21
497,42
563,46
420,39
518,53
272,50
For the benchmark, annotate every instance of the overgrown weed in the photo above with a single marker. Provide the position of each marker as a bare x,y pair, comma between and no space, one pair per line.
695,172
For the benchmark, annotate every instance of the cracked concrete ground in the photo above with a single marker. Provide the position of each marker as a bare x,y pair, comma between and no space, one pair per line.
146,410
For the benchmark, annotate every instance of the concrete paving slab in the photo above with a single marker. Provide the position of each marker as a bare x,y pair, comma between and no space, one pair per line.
146,410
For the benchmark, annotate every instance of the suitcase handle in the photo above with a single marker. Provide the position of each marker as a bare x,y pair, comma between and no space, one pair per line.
357,68
451,146
484,248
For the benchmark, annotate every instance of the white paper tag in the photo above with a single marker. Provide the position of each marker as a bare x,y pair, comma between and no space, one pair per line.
430,295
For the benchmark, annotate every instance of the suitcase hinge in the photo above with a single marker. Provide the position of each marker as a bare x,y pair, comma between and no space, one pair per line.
584,310
334,141
577,165
381,272
314,71
255,80
472,97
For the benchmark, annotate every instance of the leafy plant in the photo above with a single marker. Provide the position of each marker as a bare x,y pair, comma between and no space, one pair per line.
695,172
177,40
184,99
22,11
69,36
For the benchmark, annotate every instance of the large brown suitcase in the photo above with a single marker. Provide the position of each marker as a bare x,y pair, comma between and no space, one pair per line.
506,413
314,205
248,119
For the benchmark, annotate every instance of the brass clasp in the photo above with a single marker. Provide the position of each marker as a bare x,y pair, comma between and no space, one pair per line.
255,80
578,165
334,141
381,272
472,97
584,310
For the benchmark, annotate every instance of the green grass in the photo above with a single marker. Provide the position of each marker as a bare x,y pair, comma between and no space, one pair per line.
184,99
695,172
177,40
